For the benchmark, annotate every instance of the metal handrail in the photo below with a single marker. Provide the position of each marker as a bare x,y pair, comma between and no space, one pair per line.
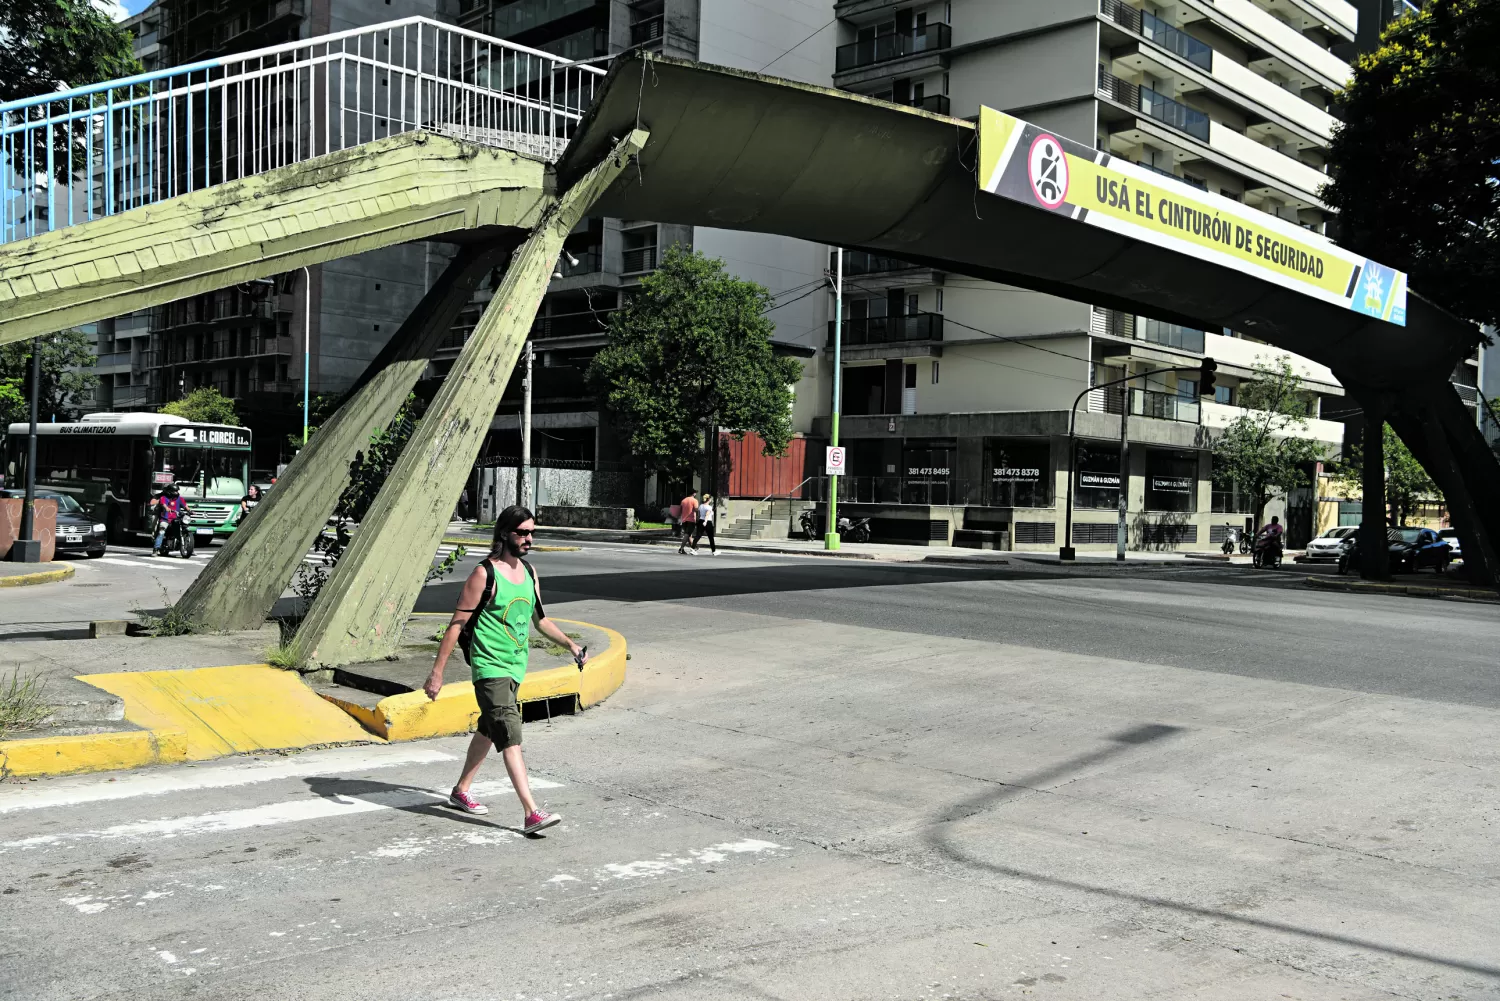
776,495
93,151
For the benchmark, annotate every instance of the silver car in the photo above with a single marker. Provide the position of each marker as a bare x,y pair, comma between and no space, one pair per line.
1326,547
1450,536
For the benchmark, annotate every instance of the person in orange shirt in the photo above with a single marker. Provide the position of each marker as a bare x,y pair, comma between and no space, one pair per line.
689,519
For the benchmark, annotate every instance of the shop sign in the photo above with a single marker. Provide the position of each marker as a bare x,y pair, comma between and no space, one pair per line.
190,434
1022,162
1015,474
1104,481
927,471
1172,484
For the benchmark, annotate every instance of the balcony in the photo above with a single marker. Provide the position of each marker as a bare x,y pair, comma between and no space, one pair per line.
590,262
638,261
874,330
1195,182
648,30
114,359
1164,406
1158,106
1113,323
1156,30
888,47
938,104
571,325
857,262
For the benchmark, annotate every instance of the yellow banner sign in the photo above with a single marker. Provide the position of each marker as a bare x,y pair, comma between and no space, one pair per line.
1026,163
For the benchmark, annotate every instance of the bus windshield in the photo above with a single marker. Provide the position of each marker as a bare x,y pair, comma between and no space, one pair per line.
203,472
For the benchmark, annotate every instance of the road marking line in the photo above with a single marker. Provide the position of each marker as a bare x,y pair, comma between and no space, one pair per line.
286,812
134,564
69,792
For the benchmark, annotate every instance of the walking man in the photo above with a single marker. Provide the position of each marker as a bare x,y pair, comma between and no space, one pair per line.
689,519
706,525
510,595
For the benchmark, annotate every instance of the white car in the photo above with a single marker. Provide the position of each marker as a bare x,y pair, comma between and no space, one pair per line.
1326,547
1450,536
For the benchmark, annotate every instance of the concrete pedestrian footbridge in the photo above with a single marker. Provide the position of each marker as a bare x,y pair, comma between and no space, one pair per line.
138,192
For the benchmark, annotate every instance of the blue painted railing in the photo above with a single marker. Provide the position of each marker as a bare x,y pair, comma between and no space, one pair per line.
94,151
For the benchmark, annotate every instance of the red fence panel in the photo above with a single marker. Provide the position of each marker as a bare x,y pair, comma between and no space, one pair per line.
753,475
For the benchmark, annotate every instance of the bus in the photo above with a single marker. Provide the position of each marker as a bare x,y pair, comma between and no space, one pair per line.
114,465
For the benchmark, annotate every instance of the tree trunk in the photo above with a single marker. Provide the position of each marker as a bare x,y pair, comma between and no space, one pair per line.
1374,558
1423,429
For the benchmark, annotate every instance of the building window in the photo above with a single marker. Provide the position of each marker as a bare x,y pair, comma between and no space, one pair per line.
1351,512
1224,395
934,373
927,470
1020,472
1097,480
1171,481
1227,497
939,301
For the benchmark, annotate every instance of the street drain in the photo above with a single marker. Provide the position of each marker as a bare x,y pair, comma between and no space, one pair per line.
540,709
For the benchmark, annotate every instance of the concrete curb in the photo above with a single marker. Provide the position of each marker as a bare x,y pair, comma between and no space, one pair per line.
91,752
841,554
62,572
1415,591
456,540
412,715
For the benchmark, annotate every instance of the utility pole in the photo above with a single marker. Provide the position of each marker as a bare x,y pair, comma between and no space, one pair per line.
523,489
306,345
1124,470
831,536
27,548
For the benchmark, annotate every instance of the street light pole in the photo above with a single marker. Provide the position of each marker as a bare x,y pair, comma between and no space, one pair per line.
831,536
523,488
306,345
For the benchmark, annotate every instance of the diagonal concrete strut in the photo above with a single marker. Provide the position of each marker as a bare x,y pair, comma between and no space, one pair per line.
361,611
238,589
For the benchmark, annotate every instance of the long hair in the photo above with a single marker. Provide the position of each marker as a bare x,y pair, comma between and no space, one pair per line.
505,523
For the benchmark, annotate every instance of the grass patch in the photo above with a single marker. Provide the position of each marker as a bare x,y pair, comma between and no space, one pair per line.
540,642
651,524
282,655
169,623
22,703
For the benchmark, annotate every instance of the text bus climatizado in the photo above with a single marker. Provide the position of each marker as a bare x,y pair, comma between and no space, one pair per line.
114,465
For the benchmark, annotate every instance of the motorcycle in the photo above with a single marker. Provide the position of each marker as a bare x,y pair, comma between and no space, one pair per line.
178,536
1234,535
808,523
1267,555
854,531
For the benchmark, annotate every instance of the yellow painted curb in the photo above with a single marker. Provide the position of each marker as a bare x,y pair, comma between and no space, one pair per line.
412,715
230,710
91,752
62,572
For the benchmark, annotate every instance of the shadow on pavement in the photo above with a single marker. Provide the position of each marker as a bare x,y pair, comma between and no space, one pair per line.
410,799
940,840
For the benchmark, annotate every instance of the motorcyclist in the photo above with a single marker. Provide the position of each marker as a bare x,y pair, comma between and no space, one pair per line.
170,506
1270,538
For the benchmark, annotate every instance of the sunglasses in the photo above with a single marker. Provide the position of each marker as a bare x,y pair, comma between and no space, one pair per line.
524,535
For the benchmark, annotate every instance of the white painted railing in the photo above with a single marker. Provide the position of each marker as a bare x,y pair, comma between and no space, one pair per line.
94,151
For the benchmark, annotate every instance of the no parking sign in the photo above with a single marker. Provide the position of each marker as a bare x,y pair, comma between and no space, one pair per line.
835,460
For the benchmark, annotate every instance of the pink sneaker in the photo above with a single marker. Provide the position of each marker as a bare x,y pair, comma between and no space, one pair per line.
468,804
540,820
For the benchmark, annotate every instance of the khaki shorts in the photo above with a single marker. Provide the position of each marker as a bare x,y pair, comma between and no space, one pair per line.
499,716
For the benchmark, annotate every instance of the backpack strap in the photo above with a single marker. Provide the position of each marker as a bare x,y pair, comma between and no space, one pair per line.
536,594
489,588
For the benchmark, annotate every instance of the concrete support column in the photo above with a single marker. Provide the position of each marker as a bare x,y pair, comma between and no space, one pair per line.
1373,557
363,608
239,587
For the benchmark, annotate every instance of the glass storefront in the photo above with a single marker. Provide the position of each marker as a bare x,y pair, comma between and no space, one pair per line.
927,470
1171,481
1019,472
1097,480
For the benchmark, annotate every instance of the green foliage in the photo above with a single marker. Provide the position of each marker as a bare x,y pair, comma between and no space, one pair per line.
1261,451
283,655
372,466
50,45
63,384
170,622
1414,165
694,346
204,405
23,703
1406,482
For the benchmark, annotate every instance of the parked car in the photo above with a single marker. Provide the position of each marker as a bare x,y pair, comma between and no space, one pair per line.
77,531
1326,547
1410,550
1450,536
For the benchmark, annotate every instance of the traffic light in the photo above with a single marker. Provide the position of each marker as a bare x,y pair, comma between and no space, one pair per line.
1207,372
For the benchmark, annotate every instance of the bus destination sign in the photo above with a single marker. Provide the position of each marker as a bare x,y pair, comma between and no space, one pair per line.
194,434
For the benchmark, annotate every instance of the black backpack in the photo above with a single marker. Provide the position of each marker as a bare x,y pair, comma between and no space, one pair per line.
466,632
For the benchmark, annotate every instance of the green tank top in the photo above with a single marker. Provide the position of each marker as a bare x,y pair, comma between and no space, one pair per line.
502,635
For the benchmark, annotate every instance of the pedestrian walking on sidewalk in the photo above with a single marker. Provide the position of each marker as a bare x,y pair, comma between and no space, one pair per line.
689,519
496,608
706,525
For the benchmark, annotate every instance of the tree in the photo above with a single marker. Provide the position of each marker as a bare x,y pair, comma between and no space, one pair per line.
1262,451
1414,165
1406,482
64,382
52,45
690,351
204,405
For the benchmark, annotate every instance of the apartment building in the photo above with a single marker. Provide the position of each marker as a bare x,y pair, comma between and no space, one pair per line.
956,391
254,341
604,258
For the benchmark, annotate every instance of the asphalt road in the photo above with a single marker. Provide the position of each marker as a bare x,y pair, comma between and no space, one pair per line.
839,779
